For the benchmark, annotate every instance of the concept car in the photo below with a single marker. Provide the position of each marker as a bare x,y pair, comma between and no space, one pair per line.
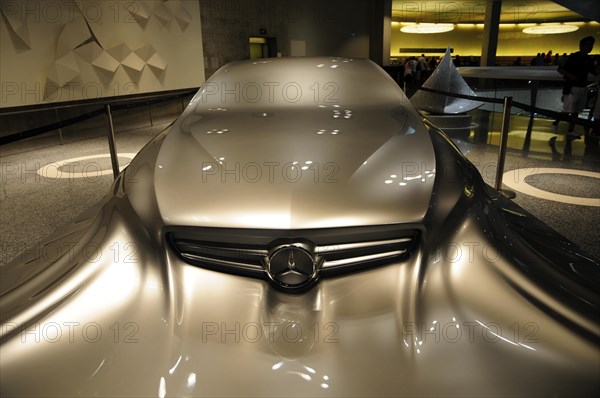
300,231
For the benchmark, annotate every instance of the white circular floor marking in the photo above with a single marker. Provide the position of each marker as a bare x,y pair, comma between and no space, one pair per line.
90,169
515,179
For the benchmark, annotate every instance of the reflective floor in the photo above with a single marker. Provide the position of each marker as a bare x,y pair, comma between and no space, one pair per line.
46,184
564,193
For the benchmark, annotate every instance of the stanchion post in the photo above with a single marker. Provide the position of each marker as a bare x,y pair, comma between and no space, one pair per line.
111,142
59,129
534,90
502,149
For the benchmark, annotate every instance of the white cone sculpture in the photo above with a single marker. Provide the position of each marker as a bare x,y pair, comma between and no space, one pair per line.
445,78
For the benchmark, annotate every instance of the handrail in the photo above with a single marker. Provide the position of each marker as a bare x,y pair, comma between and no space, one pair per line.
546,112
131,103
21,135
464,96
95,101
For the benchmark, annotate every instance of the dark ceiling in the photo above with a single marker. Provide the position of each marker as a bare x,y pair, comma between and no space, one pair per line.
513,11
588,8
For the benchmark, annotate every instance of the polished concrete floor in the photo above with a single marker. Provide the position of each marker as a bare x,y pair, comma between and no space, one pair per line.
46,184
565,194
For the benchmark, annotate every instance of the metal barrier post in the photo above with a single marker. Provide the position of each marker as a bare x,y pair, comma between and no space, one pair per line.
111,143
532,102
59,129
502,149
150,114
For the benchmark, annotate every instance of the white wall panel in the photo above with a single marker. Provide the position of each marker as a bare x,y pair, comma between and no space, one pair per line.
56,51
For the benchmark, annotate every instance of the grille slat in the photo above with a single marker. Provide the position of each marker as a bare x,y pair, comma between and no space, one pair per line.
217,261
218,256
363,254
362,260
358,245
211,250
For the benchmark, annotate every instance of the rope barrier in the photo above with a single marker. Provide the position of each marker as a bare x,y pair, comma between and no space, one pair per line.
49,127
532,109
68,122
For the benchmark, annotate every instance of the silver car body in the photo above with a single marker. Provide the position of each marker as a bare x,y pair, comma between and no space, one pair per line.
423,282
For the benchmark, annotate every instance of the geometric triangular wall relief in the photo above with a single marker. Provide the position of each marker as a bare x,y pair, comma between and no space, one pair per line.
162,13
89,52
182,16
133,62
145,52
17,29
140,11
172,5
63,70
23,34
157,63
106,62
69,61
119,52
72,35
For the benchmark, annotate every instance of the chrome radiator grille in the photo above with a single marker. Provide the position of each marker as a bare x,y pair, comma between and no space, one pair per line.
334,250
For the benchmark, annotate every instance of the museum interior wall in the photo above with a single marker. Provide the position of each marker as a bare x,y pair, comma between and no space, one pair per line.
100,48
56,52
301,27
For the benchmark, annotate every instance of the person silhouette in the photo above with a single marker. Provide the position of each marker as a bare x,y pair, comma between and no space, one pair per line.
574,95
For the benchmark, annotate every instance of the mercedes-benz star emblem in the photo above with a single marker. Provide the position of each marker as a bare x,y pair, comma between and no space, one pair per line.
291,266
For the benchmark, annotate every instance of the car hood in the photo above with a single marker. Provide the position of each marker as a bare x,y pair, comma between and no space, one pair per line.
304,164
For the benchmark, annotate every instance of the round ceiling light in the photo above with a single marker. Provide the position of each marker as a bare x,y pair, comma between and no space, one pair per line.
549,29
428,28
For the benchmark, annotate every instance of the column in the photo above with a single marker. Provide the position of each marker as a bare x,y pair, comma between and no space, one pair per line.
490,32
381,32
